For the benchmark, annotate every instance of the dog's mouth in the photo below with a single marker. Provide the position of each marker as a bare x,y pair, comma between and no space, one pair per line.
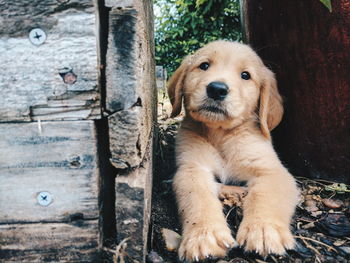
212,108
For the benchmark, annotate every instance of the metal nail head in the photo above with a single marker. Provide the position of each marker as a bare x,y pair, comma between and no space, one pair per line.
37,36
44,198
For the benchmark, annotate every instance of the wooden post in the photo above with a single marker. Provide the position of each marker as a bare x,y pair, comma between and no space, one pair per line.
308,48
131,109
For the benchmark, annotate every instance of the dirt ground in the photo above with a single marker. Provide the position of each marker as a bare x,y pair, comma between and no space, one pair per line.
320,226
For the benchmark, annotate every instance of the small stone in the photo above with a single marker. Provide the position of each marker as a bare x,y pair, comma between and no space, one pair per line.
153,257
332,203
171,238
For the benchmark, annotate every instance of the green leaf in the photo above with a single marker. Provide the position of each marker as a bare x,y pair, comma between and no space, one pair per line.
200,2
328,4
338,188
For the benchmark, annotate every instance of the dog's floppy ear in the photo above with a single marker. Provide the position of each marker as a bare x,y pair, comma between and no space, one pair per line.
271,108
175,87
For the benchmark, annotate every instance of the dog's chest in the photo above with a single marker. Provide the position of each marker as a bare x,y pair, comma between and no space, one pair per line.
223,143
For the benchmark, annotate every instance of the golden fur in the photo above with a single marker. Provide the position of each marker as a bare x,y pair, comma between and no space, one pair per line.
231,143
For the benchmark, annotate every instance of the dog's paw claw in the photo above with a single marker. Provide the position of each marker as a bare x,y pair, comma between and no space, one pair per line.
265,237
200,243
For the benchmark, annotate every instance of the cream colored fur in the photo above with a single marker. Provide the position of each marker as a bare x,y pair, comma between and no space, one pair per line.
234,145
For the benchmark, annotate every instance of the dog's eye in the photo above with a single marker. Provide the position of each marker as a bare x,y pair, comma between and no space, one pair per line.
245,75
204,66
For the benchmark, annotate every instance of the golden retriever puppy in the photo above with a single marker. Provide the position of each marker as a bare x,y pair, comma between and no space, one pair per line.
232,103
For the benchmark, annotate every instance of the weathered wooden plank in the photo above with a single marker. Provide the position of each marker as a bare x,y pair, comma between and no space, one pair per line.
119,3
43,81
125,141
131,110
50,242
55,157
121,60
133,208
131,93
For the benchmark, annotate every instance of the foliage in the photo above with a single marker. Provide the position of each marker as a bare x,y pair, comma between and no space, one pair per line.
183,26
327,4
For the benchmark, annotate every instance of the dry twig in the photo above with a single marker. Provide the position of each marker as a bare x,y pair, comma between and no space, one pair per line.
308,245
119,252
316,241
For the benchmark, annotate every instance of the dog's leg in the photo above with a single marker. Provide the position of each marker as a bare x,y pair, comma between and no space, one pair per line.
205,231
268,207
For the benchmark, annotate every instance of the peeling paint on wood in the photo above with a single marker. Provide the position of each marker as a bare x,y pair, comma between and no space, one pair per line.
31,79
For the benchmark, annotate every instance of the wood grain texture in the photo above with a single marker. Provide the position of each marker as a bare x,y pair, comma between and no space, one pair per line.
59,158
125,142
130,106
120,3
133,208
130,77
50,242
308,47
121,60
30,78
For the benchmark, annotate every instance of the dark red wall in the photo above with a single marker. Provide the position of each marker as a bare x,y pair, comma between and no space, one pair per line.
309,49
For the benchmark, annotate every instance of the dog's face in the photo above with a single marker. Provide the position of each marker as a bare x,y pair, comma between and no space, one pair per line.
222,83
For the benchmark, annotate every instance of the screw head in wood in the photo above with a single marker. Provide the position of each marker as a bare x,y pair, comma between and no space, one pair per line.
37,36
44,198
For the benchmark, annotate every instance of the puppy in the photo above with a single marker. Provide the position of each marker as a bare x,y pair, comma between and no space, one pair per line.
231,103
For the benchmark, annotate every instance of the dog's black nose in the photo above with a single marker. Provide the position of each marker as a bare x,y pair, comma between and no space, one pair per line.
217,90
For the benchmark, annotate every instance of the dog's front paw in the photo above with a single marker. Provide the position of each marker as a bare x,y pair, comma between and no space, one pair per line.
265,237
200,242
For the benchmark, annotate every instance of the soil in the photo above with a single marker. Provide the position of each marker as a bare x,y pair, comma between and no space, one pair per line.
320,225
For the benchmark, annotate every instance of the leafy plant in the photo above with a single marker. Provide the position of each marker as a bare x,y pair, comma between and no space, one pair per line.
183,26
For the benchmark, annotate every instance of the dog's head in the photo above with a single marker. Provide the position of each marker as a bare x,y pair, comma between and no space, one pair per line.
226,83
